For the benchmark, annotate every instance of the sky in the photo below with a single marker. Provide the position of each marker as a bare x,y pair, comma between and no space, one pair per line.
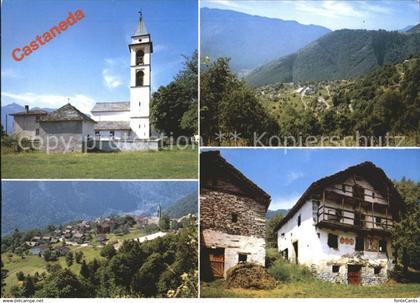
89,62
286,173
352,14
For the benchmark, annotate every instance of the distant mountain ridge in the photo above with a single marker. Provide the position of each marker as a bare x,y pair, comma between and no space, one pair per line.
184,206
33,204
272,213
249,40
342,54
12,108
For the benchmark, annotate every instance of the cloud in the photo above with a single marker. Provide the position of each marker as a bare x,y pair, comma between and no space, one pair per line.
82,102
113,72
293,176
329,8
284,202
226,3
9,73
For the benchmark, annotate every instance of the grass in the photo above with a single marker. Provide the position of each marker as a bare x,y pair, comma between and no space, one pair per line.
32,264
314,289
163,164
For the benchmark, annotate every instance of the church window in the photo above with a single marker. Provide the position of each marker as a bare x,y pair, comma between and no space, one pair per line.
139,104
139,57
139,125
299,220
139,78
112,134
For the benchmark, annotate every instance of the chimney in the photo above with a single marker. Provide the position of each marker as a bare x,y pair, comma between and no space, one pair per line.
27,108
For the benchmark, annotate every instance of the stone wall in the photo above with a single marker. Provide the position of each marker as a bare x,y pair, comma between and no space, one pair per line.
128,145
217,210
253,247
368,276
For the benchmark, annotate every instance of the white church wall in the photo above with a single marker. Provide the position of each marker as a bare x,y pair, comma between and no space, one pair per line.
111,116
140,102
140,127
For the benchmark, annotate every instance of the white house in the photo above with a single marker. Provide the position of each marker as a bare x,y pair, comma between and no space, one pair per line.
341,226
130,120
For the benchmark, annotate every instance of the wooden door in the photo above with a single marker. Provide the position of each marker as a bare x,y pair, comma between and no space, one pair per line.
353,274
217,262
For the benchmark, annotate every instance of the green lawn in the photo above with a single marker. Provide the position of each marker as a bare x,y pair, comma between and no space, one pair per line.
315,289
31,264
163,164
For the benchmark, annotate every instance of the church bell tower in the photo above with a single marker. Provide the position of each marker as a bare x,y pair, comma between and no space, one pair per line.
141,49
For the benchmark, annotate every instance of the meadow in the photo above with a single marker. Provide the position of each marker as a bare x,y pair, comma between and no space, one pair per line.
313,289
163,164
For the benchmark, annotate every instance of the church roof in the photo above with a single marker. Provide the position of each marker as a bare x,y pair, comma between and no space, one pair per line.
141,27
112,125
66,113
111,107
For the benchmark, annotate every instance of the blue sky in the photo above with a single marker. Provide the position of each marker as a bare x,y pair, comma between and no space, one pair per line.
286,173
373,14
89,62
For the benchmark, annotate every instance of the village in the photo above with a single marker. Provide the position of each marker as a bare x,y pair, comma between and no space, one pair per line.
58,240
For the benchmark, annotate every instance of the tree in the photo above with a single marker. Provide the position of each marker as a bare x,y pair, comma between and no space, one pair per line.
28,287
62,284
108,251
173,105
229,106
78,256
406,233
164,222
270,233
4,273
20,276
84,270
69,259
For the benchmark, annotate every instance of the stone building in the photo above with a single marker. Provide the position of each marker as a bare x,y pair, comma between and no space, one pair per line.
65,129
26,123
341,226
232,217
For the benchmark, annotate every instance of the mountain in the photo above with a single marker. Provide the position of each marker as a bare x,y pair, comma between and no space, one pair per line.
414,29
407,28
249,40
7,120
342,54
33,204
186,205
272,213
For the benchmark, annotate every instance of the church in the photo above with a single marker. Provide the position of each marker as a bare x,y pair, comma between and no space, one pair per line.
112,126
130,120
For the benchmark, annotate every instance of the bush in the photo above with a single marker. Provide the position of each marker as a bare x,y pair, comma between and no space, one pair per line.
272,255
283,271
249,275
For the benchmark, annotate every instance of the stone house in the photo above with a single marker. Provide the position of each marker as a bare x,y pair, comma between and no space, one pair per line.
232,217
26,123
66,129
341,226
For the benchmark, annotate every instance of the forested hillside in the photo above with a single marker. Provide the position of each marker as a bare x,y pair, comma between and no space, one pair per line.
184,206
251,41
342,54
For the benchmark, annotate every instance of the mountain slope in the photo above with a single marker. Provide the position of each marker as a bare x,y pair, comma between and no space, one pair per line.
272,213
249,40
186,205
342,54
37,204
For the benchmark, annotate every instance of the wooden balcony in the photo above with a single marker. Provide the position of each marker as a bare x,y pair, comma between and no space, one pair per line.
353,220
